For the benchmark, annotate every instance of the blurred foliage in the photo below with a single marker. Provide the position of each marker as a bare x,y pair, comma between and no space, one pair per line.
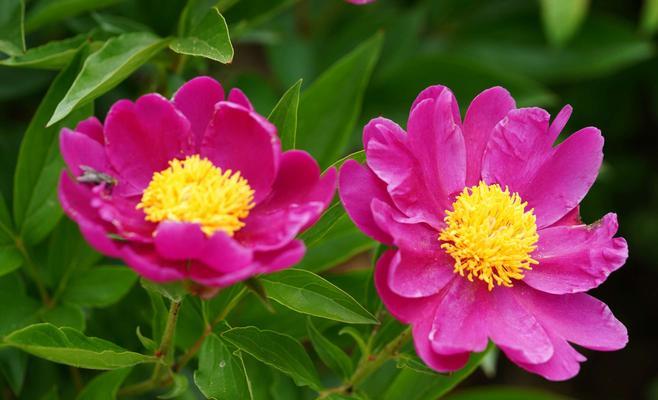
354,63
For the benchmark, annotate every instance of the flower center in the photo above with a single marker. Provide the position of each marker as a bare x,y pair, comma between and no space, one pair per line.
194,190
490,235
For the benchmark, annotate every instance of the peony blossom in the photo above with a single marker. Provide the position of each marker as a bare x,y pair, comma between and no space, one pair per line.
488,243
193,188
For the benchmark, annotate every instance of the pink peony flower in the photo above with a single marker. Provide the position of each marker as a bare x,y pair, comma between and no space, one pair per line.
488,241
193,188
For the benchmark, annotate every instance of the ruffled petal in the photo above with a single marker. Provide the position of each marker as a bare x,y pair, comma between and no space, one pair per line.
578,318
358,186
142,137
405,309
486,110
459,323
225,255
196,99
80,150
129,222
237,96
518,146
239,140
436,141
388,156
515,330
420,268
93,128
563,365
147,262
284,257
565,178
179,240
577,258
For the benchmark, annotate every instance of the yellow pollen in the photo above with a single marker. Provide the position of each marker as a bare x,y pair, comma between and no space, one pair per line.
490,235
194,190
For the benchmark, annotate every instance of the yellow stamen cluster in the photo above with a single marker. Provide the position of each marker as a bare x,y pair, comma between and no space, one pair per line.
490,235
194,190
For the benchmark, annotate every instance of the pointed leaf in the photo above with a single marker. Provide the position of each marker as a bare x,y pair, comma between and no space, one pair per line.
308,293
12,36
330,354
104,386
284,116
52,55
71,347
276,350
106,68
210,39
562,18
220,374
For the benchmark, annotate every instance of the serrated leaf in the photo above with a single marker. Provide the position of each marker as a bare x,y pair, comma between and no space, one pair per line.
562,18
284,116
106,68
276,350
71,347
36,208
308,293
220,374
104,386
330,354
12,36
210,39
325,120
52,55
99,286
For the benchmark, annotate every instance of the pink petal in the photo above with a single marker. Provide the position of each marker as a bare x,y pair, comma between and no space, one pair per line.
146,262
515,330
421,268
223,254
142,137
179,240
433,93
436,141
422,342
388,156
284,257
559,122
518,146
358,186
486,110
196,99
563,365
207,276
93,128
79,149
76,202
123,214
239,140
571,218
237,96
578,318
565,178
577,258
405,309
459,323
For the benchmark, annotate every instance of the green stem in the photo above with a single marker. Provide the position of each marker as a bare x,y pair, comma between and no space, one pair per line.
369,364
163,351
191,352
32,270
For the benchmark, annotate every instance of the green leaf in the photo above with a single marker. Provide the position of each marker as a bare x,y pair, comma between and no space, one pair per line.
49,11
330,354
159,315
17,309
649,20
220,374
52,55
68,315
414,385
179,387
148,343
327,220
308,293
71,347
10,258
284,116
562,18
276,350
99,287
504,393
330,107
413,362
104,386
12,36
174,291
210,39
13,365
106,68
39,165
